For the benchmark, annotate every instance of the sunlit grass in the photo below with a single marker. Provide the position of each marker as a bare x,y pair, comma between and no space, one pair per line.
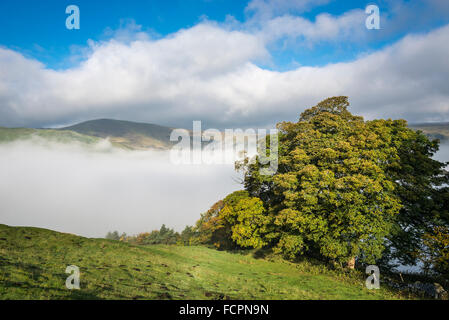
33,262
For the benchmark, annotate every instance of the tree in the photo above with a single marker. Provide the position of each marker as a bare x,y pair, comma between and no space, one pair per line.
213,229
167,236
419,183
436,252
189,236
163,236
247,218
345,189
144,237
236,221
330,193
113,235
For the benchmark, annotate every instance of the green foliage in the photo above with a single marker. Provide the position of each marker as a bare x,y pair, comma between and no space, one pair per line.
163,236
213,229
113,235
331,192
435,253
419,183
237,221
247,218
348,188
189,236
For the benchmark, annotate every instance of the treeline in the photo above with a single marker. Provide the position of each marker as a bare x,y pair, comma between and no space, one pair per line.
162,236
347,191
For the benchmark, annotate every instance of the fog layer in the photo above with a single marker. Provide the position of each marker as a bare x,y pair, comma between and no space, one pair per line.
73,189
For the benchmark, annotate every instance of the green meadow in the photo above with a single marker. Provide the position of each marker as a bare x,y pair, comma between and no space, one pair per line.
33,263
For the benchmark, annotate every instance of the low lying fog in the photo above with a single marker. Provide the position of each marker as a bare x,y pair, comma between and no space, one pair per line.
443,153
89,192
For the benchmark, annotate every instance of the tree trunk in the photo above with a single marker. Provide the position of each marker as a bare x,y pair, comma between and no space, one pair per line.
351,263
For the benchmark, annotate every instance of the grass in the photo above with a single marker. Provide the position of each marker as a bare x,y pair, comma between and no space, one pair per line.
33,263
8,135
128,141
13,134
131,135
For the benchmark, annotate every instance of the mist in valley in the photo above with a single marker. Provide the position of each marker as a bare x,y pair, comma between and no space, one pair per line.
443,154
92,190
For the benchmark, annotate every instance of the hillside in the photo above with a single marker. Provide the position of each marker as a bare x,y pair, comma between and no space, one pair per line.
132,135
14,134
33,262
438,130
141,136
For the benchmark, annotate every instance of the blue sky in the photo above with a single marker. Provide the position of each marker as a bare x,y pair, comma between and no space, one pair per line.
228,63
37,28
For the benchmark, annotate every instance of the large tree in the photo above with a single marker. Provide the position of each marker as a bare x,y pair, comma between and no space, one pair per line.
350,188
330,193
236,221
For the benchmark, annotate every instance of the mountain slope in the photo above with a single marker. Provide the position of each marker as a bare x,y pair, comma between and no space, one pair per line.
33,263
14,134
141,136
133,135
437,130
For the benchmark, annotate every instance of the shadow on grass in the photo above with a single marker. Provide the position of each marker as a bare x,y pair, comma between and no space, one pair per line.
60,292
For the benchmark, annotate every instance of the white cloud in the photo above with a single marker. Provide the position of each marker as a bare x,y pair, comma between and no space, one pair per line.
209,73
349,26
265,9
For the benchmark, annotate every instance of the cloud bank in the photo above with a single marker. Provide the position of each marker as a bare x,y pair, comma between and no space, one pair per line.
212,72
89,192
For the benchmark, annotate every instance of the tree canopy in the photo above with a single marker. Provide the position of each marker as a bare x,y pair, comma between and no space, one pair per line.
345,189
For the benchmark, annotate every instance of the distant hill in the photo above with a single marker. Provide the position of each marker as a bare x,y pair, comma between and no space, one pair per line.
14,134
437,130
123,134
133,135
141,136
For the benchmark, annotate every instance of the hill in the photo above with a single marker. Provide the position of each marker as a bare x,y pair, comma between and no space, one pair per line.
13,134
141,136
437,130
133,135
33,262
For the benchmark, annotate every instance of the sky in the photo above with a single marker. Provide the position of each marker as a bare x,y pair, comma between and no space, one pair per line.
228,63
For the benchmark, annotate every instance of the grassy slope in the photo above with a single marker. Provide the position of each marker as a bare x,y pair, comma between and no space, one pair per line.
12,134
33,262
133,135
16,134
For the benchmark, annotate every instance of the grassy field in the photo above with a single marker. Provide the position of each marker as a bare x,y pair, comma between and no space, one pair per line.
33,263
